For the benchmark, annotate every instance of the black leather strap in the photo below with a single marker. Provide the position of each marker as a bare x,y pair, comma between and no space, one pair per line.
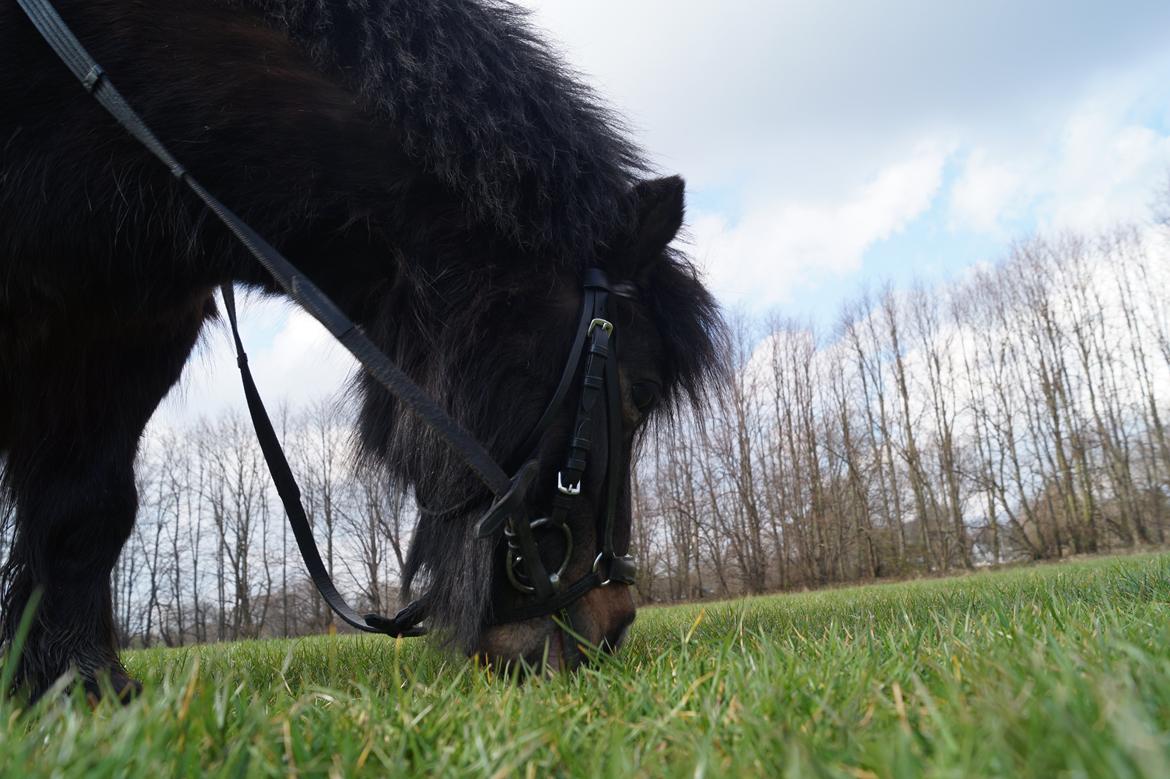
560,600
405,623
528,448
613,389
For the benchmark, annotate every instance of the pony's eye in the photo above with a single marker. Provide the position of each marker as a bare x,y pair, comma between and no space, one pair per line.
645,395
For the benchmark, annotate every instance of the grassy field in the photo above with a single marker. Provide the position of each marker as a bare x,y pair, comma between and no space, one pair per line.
1050,671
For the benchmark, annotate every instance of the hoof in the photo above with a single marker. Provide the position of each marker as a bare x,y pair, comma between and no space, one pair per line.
116,683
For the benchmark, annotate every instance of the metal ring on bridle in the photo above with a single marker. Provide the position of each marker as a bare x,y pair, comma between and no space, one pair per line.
514,556
597,562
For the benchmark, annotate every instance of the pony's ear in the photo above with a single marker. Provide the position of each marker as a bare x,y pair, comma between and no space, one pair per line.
660,204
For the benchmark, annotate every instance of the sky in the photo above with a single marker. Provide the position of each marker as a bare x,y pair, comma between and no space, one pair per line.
831,146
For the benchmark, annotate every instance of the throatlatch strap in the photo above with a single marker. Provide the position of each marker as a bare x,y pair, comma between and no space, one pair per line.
405,622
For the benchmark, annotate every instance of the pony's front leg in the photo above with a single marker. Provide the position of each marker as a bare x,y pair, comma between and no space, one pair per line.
72,519
81,404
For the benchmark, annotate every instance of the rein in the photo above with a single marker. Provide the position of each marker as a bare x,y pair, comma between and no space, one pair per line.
600,384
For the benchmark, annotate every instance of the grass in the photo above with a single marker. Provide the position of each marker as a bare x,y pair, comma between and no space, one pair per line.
1051,671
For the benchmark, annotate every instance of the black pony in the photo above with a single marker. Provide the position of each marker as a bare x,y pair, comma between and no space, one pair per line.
428,162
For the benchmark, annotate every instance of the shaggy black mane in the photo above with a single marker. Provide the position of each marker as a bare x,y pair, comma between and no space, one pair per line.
481,103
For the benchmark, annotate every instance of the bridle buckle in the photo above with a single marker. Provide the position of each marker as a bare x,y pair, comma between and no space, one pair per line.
567,489
604,324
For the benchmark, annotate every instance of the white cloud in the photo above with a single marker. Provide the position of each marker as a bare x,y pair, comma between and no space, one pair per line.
987,192
293,359
802,98
1098,166
768,254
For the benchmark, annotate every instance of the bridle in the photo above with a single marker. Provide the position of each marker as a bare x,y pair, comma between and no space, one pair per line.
596,344
593,355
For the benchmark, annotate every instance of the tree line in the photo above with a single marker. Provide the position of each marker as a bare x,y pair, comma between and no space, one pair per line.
212,558
1018,413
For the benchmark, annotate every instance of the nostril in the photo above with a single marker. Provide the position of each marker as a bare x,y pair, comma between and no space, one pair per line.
617,634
